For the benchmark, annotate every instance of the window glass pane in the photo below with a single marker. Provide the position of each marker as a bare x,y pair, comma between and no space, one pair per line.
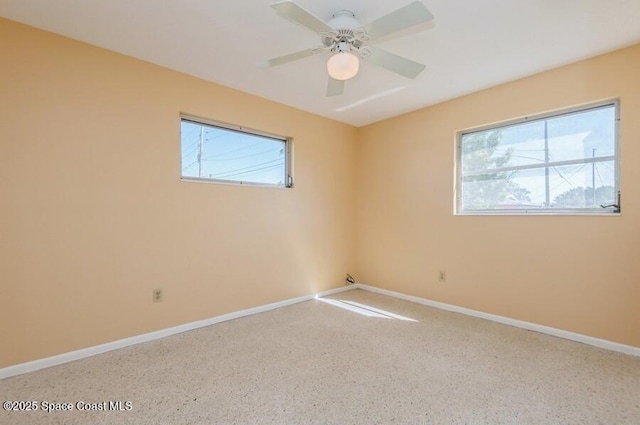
504,191
585,134
571,186
215,153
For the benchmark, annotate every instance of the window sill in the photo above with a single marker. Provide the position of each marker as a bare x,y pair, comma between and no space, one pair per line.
233,183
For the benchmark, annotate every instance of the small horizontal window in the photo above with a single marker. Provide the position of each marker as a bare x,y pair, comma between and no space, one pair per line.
563,163
222,153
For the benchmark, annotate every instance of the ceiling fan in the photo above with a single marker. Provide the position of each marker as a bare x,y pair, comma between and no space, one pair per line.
347,40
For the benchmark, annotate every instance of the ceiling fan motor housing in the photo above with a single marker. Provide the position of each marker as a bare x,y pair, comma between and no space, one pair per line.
346,29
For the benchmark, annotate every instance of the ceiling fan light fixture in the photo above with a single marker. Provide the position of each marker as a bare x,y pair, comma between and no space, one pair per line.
343,66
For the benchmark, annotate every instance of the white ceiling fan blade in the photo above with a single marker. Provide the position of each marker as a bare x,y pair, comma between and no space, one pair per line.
413,14
293,12
335,87
288,58
398,64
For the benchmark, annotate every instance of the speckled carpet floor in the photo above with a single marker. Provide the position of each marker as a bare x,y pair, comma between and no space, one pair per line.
317,363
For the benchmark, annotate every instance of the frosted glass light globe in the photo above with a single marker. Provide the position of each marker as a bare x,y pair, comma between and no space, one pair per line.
343,65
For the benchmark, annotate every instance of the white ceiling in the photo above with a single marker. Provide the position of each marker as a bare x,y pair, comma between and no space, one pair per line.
470,44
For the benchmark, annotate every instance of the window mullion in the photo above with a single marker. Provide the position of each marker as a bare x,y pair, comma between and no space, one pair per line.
540,166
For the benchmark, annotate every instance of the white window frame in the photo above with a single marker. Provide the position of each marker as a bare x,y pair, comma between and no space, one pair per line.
288,142
458,207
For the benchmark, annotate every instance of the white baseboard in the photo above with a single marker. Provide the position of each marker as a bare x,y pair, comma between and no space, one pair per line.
32,366
597,342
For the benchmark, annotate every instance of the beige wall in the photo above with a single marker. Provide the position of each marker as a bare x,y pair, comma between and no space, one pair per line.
580,274
93,214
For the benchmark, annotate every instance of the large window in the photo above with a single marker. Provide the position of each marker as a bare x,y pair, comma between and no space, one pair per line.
567,162
222,153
